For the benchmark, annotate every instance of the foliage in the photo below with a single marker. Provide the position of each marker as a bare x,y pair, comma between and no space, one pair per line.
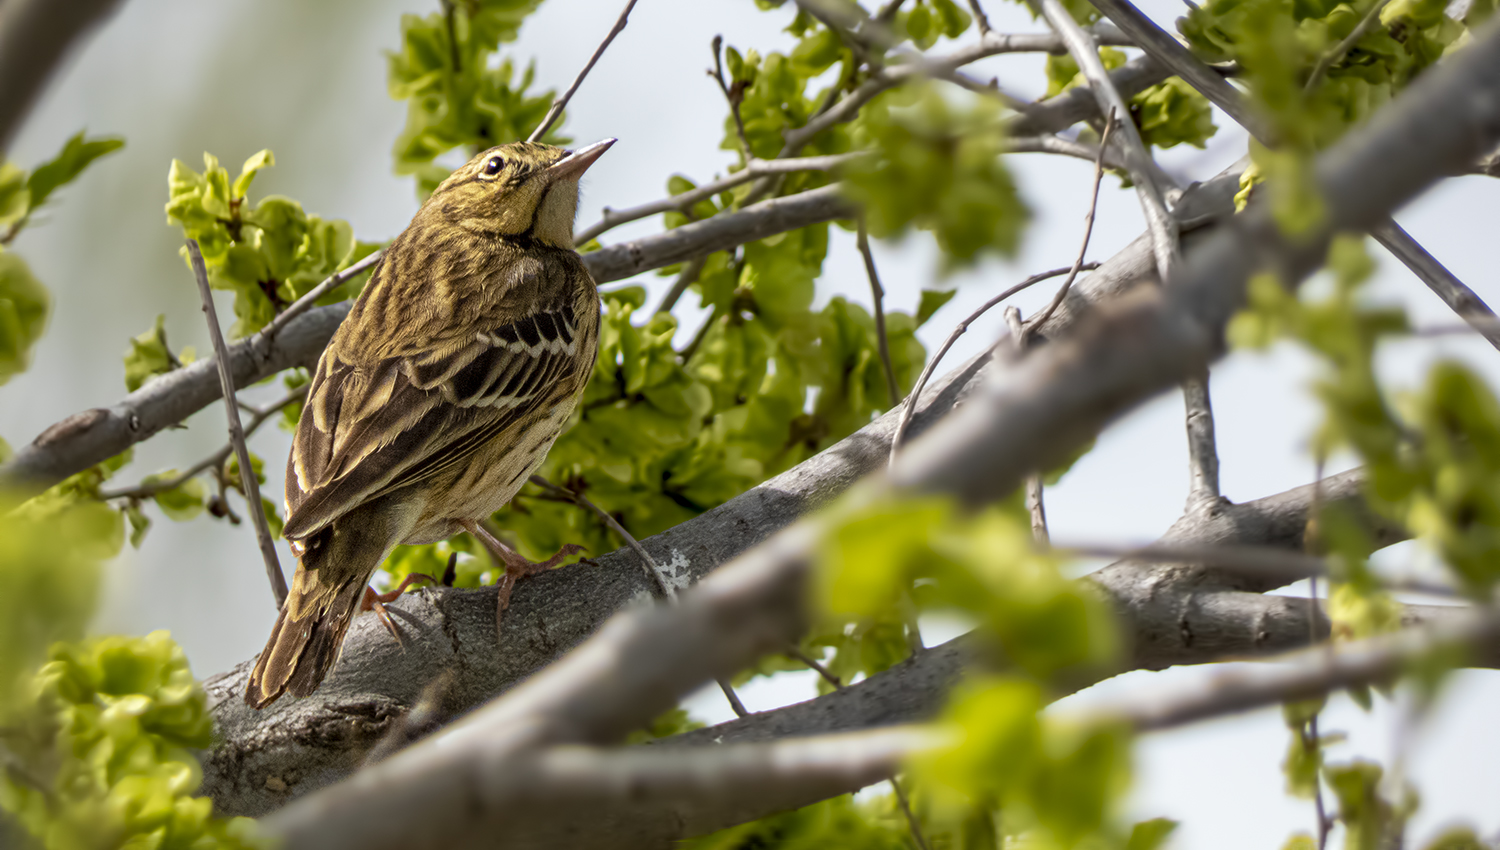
106,759
1169,113
938,169
673,424
268,255
24,303
1282,43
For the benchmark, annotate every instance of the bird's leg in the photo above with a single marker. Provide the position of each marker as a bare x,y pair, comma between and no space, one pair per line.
377,602
517,566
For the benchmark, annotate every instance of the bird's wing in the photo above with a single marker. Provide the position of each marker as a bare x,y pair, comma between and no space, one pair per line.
369,430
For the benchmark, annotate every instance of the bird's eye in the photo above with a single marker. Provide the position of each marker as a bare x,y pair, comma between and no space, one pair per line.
494,165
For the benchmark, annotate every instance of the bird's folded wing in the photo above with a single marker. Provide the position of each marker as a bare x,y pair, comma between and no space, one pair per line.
370,430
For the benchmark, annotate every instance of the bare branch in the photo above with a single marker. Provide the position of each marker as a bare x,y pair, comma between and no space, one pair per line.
1460,298
558,105
733,98
878,294
909,406
1065,147
310,300
1085,52
1041,318
1034,504
35,36
1309,673
236,433
664,586
1203,453
214,461
691,271
686,200
979,18
767,218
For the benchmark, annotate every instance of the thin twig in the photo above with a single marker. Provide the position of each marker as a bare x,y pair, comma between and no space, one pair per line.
815,665
1081,46
687,200
1041,318
878,293
1313,540
685,278
1048,143
1340,50
911,819
306,302
1446,285
559,104
909,406
259,415
236,434
732,97
980,18
653,572
1035,507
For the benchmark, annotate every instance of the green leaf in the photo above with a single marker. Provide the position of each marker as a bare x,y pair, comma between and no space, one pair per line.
932,301
24,306
183,502
15,198
64,168
1150,834
138,521
263,159
148,356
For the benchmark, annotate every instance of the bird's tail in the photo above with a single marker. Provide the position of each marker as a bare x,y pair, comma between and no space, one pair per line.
309,632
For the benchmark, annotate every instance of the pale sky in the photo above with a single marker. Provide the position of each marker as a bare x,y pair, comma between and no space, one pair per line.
176,78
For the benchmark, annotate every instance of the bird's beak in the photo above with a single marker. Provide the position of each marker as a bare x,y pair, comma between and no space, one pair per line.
572,166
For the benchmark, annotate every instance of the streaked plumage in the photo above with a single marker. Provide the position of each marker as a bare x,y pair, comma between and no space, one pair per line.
443,389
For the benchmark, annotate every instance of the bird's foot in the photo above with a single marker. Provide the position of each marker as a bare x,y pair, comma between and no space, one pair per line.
377,602
517,566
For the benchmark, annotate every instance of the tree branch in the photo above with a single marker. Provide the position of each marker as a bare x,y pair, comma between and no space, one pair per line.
877,293
561,103
1387,232
35,36
237,433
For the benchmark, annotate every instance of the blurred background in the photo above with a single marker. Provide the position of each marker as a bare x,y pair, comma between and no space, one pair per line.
177,78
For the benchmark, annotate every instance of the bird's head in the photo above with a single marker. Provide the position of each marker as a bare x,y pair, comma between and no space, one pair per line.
519,189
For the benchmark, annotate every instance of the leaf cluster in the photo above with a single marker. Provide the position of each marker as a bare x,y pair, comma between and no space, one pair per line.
458,96
269,254
1168,114
24,302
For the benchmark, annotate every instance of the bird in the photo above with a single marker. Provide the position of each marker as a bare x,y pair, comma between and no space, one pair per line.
441,392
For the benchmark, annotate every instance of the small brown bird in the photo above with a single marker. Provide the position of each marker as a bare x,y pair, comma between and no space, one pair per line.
441,392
